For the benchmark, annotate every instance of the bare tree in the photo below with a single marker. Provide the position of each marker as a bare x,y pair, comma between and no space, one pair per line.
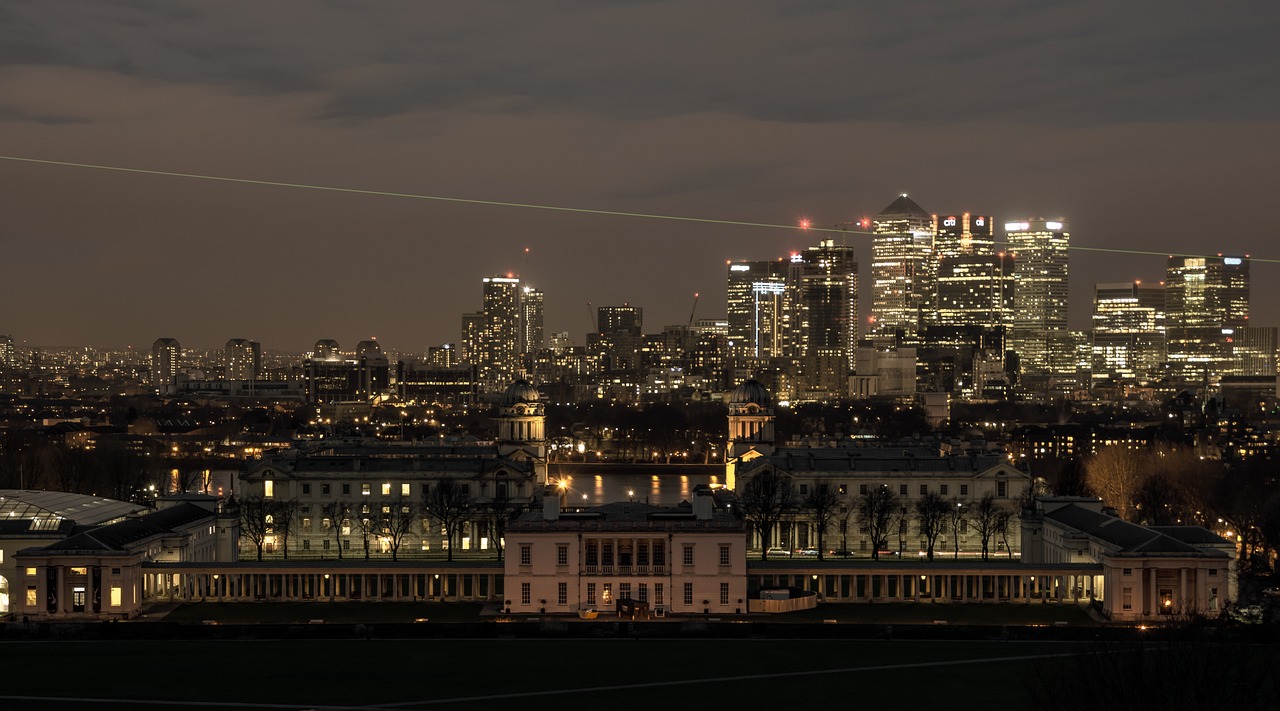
256,520
823,506
398,517
1004,522
932,512
498,512
876,509
338,517
449,502
957,519
1115,474
367,526
76,470
764,501
986,518
285,520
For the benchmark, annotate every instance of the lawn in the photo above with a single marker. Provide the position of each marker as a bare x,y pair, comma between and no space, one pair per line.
329,612
923,613
717,673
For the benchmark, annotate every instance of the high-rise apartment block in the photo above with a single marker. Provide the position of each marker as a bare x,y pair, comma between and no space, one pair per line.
1128,332
8,354
166,360
901,259
532,334
499,344
1206,307
243,359
1039,319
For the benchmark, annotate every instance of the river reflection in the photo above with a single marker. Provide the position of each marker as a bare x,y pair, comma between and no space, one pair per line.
587,485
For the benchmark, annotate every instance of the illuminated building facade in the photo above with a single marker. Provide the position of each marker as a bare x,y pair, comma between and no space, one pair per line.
532,334
901,254
619,337
757,307
1128,331
8,354
1206,306
975,290
166,360
1040,299
243,358
499,346
825,315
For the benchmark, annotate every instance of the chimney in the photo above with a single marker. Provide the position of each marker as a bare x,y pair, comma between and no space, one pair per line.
551,504
703,504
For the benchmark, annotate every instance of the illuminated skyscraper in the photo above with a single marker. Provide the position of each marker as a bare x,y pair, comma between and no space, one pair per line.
901,253
823,287
8,354
756,296
962,237
1206,306
532,337
499,342
974,290
1039,323
243,359
619,337
327,349
1128,332
166,359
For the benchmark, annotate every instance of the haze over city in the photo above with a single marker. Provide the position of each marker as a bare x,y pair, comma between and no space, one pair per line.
1146,131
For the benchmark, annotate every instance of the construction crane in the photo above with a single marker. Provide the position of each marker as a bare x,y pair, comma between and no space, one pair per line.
693,310
591,314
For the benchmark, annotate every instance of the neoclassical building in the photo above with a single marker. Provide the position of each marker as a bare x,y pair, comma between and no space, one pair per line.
688,559
370,481
851,469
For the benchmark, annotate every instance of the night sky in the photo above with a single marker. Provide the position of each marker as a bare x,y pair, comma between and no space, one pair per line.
1150,126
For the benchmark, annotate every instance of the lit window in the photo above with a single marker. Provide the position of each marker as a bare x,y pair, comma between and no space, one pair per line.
386,489
116,594
31,597
79,571
404,489
268,488
364,490
31,572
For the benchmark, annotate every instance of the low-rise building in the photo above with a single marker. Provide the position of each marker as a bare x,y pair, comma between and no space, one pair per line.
689,559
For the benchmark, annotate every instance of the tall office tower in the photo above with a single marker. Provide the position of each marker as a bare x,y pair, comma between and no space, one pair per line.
824,321
974,290
1128,332
756,294
1255,350
963,235
8,354
166,359
618,341
499,343
469,342
1039,324
1206,303
625,319
901,254
243,359
955,237
532,336
326,349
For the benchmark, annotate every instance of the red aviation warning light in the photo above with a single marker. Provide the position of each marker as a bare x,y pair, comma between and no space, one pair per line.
804,224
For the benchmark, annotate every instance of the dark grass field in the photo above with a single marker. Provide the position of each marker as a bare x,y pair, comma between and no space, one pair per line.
480,674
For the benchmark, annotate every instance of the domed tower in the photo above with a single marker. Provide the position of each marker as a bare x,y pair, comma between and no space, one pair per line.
522,421
750,420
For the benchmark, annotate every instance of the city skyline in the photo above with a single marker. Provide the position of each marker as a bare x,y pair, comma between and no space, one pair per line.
827,112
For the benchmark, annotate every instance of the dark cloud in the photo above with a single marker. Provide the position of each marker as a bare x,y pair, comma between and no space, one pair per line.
1144,124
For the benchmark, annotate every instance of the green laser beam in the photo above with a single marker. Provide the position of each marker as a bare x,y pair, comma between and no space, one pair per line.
535,206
